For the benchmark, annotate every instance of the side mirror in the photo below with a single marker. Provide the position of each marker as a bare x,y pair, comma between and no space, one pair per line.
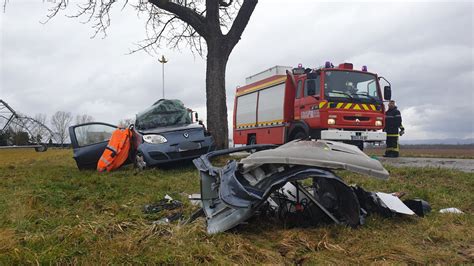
387,93
196,117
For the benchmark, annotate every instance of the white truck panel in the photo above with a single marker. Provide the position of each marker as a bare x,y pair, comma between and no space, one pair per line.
246,109
270,104
276,70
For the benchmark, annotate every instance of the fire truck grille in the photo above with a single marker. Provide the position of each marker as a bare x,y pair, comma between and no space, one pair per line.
353,118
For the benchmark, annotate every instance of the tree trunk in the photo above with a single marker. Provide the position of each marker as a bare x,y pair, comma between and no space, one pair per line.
217,56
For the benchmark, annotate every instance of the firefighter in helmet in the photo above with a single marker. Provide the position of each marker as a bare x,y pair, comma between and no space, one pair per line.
394,129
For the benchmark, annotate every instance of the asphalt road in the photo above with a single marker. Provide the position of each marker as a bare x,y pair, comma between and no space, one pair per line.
465,165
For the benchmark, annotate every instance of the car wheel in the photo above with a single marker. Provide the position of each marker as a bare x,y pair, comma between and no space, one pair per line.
139,162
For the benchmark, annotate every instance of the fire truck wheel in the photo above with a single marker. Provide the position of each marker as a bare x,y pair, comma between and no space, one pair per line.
252,141
300,135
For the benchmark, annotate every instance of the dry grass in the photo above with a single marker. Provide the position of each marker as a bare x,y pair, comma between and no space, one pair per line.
52,213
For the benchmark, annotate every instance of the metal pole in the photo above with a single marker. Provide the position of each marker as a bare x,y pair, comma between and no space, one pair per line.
163,78
163,61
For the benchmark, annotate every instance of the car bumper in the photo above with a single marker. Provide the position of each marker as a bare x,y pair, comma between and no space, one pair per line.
155,154
353,135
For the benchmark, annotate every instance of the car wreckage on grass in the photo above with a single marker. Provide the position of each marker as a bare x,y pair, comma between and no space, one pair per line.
163,133
270,179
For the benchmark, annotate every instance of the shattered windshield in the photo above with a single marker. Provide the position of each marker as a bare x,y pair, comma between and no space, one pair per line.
352,86
163,113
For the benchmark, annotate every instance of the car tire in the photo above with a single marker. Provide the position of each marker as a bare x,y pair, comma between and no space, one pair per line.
139,161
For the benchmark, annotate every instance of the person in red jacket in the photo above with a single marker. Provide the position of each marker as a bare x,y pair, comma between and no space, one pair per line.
393,123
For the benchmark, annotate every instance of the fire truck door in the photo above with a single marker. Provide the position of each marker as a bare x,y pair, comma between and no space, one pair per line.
311,98
299,105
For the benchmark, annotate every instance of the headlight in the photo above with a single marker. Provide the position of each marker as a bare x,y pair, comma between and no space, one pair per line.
378,123
154,139
331,121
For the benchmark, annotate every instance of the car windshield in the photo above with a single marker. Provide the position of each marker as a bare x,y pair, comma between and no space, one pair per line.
352,86
163,113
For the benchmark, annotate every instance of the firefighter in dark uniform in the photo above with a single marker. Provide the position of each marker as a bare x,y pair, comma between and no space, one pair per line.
393,123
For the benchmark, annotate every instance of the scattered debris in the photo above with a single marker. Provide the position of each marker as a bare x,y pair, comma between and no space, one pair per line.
268,181
170,218
419,206
451,210
195,199
167,203
394,203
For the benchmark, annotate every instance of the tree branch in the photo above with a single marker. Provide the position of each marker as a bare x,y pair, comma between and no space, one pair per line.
185,14
240,22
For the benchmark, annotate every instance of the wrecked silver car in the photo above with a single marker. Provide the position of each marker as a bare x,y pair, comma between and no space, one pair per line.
271,177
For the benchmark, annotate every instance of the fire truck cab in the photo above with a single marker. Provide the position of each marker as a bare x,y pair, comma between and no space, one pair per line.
333,103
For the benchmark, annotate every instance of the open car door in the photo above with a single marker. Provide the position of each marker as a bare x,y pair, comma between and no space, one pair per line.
89,141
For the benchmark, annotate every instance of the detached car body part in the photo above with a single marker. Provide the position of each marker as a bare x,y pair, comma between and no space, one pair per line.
163,133
232,194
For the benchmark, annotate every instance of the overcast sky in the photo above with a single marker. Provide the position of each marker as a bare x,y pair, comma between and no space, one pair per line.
424,49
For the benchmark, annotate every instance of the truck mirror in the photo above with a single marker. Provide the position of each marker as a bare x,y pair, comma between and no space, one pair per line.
196,116
387,93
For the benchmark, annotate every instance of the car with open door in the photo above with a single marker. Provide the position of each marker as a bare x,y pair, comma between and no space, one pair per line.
163,133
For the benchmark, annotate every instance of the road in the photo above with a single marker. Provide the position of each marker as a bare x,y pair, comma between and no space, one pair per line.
465,165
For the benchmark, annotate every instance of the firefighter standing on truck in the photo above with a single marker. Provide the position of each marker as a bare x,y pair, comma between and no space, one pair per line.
393,123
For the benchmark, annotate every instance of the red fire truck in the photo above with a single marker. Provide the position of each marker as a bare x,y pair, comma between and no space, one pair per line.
334,103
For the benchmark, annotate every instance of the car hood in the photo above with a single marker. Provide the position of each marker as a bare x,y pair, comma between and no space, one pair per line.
323,154
194,126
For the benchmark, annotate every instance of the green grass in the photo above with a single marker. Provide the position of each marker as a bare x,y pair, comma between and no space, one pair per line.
52,213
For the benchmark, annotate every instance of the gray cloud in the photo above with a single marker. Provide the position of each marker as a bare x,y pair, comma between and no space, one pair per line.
424,49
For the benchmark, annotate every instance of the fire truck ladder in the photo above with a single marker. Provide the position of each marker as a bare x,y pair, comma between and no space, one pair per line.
36,130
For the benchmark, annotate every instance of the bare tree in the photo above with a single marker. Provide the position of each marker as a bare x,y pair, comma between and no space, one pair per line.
38,130
212,25
84,118
61,121
81,132
125,123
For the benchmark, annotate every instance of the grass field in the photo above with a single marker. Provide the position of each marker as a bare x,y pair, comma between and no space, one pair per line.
52,213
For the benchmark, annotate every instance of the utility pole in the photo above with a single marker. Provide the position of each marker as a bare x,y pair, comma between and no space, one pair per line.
163,61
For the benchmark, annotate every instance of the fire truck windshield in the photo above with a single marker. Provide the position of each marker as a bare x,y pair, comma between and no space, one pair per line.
351,86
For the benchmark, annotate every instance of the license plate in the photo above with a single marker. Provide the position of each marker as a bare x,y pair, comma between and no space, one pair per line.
358,137
189,146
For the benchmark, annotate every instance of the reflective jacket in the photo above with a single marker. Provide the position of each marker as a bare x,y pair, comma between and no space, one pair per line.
393,121
116,152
